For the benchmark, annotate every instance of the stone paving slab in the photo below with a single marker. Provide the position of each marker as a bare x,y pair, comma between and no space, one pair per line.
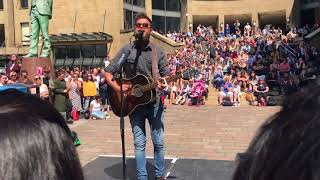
205,132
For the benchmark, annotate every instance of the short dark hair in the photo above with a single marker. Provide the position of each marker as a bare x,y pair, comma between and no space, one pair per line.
59,73
287,146
142,15
35,141
24,71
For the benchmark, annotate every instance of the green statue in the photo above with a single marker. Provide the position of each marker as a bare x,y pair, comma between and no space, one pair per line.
41,12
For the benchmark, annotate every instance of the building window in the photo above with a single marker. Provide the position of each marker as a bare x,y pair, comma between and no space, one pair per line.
60,52
24,4
25,33
168,5
130,10
128,19
158,4
127,1
139,3
73,52
159,24
1,4
2,36
166,15
88,55
87,51
101,51
163,24
171,24
173,5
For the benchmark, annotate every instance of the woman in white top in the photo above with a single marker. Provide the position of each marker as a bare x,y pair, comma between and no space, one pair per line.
96,109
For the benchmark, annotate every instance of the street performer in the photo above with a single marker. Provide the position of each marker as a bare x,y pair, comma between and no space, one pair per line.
139,61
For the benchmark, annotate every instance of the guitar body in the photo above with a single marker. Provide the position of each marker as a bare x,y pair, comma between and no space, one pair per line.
133,99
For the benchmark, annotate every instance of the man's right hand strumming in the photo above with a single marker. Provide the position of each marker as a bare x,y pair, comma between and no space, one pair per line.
125,87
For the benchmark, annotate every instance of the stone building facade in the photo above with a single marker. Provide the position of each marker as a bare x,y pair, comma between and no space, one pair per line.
113,17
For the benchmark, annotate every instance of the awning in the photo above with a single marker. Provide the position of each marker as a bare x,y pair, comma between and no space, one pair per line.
79,37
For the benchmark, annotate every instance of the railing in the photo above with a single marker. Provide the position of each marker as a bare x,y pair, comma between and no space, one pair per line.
288,51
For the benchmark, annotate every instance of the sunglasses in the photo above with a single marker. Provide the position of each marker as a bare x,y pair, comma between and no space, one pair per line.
144,25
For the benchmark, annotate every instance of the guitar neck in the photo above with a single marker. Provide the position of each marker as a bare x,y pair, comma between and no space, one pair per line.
153,85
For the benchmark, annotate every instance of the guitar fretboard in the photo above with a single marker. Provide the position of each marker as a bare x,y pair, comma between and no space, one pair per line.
153,85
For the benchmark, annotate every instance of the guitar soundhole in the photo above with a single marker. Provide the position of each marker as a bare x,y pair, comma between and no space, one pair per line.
137,91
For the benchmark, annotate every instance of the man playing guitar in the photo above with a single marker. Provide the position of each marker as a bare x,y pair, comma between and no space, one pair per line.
139,61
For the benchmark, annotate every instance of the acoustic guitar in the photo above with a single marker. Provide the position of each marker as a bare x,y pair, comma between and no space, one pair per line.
143,91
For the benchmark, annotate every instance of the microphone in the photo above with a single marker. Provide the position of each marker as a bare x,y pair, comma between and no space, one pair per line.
139,35
122,59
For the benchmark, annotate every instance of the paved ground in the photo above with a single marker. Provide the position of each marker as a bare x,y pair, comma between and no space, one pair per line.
205,132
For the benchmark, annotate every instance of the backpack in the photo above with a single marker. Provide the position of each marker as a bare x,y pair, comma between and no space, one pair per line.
271,101
227,103
86,114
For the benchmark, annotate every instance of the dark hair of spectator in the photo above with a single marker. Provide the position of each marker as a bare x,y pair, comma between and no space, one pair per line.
59,73
24,71
97,97
86,77
287,146
35,141
142,15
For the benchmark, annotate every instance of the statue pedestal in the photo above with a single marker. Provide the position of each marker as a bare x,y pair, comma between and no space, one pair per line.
34,65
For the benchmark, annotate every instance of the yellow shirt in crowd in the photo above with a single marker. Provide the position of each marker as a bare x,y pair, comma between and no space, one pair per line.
89,89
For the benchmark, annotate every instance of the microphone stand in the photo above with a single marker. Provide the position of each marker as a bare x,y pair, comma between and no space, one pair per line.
124,174
122,102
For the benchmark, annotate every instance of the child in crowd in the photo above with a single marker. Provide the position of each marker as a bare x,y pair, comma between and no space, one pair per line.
250,97
236,93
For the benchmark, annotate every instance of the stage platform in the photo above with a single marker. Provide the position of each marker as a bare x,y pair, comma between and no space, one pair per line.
107,167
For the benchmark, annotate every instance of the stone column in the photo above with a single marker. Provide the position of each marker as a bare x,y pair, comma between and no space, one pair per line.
121,15
255,21
184,25
190,21
148,6
10,27
221,22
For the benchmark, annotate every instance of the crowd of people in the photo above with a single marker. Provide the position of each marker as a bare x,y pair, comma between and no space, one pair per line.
73,92
250,63
253,62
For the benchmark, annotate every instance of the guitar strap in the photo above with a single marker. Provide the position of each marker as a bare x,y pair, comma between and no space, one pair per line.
154,59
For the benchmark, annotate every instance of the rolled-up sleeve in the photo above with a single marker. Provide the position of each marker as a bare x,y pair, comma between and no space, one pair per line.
163,64
114,66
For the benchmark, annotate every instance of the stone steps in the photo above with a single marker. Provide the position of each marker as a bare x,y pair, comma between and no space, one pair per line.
213,98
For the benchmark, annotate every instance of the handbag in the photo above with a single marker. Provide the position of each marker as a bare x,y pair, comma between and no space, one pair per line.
75,114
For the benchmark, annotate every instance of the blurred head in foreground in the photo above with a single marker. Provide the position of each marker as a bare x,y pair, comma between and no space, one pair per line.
35,142
287,146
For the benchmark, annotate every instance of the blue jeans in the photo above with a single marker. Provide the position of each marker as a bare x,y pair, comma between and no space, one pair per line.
99,114
154,114
87,101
